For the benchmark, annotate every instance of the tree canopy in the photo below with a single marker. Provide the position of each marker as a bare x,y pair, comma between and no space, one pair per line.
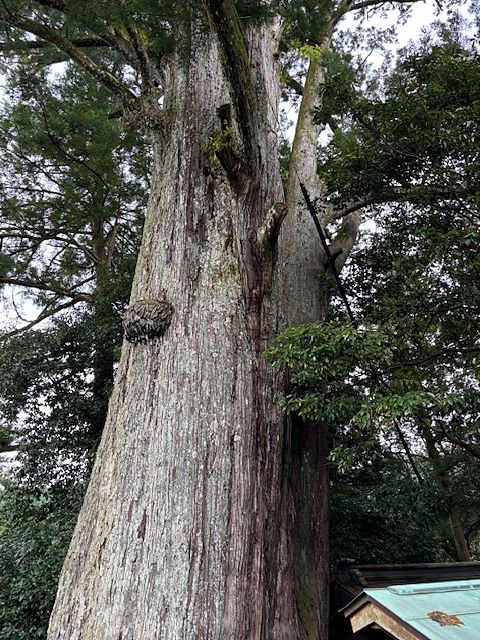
407,372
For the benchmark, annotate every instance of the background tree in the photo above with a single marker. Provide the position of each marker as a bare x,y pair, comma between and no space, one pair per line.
72,191
225,503
409,370
381,514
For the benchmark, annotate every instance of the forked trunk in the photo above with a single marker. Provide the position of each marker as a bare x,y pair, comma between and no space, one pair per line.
188,529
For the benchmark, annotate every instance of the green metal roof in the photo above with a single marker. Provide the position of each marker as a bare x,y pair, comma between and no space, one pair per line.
413,602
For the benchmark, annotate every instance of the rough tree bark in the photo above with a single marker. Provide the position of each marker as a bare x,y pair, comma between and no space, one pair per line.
303,280
187,515
205,516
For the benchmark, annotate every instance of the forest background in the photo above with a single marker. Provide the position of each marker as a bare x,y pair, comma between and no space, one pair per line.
397,384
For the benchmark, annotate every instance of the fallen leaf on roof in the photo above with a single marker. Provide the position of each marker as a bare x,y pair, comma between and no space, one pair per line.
444,619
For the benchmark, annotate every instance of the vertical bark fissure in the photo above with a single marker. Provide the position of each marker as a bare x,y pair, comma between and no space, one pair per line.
233,46
103,356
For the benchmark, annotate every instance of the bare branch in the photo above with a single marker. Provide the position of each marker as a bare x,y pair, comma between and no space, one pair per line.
353,207
364,4
38,236
350,5
397,194
33,45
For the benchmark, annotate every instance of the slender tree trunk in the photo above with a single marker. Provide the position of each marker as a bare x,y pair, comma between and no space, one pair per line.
442,482
186,528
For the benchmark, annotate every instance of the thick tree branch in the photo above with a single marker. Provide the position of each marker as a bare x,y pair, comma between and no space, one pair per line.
470,447
224,21
141,55
65,45
344,241
34,45
42,286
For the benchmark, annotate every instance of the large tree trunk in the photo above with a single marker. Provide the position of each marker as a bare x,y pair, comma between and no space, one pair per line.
188,526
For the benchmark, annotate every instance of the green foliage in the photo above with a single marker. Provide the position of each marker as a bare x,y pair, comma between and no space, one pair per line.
306,21
35,529
340,87
160,22
380,514
363,378
410,369
73,199
73,194
418,141
66,166
76,193
46,398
